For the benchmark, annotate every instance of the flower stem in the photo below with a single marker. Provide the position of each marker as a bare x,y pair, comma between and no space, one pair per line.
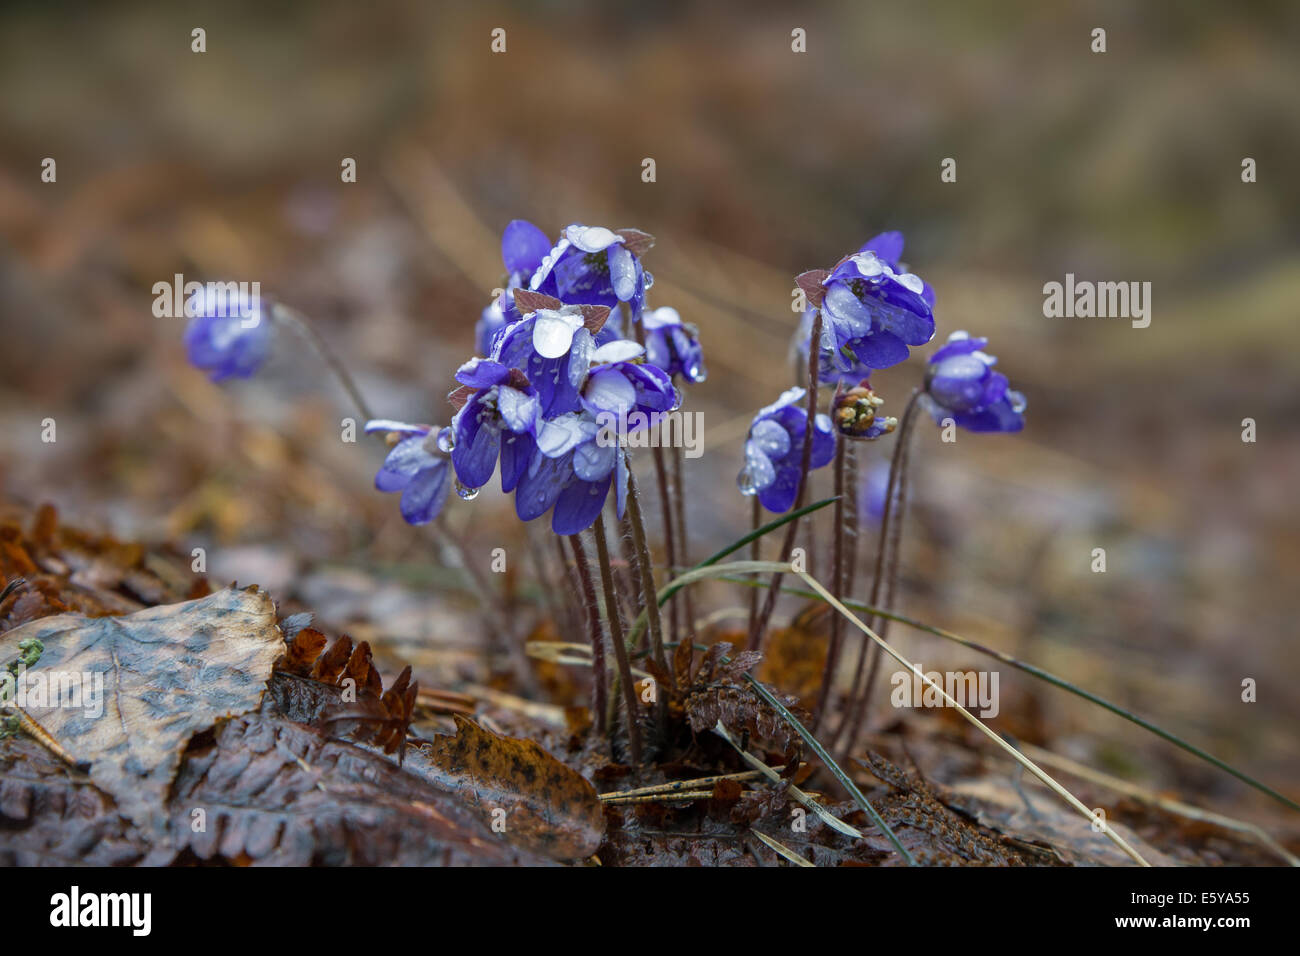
758,629
670,537
304,327
615,616
755,554
646,571
594,632
891,530
837,584
683,551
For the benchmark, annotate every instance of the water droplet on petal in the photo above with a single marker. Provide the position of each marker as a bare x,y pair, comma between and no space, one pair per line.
469,494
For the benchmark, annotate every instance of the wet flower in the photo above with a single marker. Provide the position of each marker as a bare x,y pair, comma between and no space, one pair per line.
854,413
673,345
417,466
961,384
873,310
591,265
553,348
618,385
498,420
230,335
571,471
523,247
774,451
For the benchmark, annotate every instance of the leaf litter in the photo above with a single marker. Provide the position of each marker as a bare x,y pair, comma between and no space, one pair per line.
290,748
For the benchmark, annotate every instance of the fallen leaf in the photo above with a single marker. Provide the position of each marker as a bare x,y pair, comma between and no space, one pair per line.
147,682
547,806
276,793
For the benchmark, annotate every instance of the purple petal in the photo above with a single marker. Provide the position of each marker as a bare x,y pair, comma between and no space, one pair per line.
523,246
879,350
578,505
482,373
622,272
887,245
424,496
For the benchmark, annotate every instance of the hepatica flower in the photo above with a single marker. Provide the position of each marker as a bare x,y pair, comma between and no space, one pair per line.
417,466
618,385
873,310
774,451
961,384
592,265
571,471
229,336
523,247
498,420
673,345
856,413
553,348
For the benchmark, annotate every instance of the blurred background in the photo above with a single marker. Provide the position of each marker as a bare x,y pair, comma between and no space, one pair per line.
1117,166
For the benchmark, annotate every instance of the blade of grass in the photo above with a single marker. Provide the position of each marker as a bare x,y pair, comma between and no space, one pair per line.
781,849
1028,764
1055,681
828,818
740,567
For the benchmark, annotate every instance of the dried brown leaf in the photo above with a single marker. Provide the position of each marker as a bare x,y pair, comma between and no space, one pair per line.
167,673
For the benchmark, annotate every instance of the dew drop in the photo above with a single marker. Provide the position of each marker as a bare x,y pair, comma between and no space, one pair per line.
469,494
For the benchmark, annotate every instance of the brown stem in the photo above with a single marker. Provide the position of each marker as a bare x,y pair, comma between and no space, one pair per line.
598,682
670,537
683,551
647,572
625,540
837,585
615,617
890,537
304,327
758,630
851,528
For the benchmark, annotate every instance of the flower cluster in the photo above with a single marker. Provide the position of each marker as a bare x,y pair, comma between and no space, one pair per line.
873,311
557,379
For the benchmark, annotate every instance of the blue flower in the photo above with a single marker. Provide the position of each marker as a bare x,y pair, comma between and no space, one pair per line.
571,471
618,386
553,348
229,336
499,419
523,247
774,451
417,466
673,345
591,265
960,384
873,309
